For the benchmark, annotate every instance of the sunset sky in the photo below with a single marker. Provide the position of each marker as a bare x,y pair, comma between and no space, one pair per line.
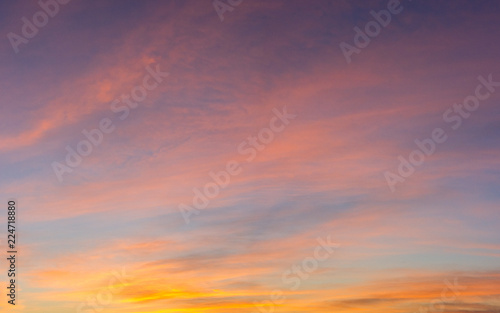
316,213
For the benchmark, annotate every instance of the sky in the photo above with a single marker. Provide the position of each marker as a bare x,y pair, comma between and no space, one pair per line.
251,156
